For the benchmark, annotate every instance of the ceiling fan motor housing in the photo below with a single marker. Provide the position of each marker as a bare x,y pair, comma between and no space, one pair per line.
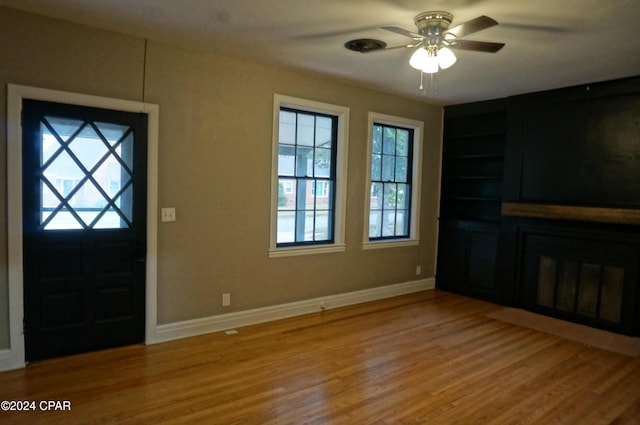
433,25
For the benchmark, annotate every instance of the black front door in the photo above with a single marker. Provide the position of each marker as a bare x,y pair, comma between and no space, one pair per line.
84,227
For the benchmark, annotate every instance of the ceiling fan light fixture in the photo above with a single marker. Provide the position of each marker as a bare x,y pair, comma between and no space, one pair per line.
419,58
426,60
446,58
431,64
434,40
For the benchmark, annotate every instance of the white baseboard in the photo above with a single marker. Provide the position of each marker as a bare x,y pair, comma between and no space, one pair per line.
171,331
227,321
8,360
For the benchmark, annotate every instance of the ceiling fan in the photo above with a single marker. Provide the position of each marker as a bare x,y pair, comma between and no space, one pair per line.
434,40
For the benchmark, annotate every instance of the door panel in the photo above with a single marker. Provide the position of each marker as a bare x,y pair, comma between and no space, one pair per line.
84,219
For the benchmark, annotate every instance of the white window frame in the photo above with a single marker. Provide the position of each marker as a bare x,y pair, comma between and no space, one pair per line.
416,179
342,113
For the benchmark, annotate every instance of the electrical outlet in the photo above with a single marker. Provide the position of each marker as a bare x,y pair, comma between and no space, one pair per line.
418,270
168,214
226,300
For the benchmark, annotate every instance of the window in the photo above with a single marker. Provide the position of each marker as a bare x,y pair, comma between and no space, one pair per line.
393,187
309,177
86,174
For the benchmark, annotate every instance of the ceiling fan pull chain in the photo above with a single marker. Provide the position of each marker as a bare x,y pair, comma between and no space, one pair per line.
431,86
434,84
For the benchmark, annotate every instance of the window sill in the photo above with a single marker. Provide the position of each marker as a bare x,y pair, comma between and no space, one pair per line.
390,243
294,251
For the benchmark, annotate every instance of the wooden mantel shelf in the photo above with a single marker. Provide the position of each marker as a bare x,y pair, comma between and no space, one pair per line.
568,212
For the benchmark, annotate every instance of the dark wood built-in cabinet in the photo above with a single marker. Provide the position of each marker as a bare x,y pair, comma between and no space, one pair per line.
540,203
471,198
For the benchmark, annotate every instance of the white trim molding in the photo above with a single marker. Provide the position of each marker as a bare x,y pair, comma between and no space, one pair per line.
13,357
416,179
228,321
340,206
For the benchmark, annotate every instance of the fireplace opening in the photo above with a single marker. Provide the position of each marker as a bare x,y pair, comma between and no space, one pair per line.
585,289
588,281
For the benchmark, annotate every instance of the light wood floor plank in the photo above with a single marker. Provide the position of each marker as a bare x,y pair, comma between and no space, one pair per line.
425,358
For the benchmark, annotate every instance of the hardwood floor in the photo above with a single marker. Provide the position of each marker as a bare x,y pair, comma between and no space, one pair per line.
425,358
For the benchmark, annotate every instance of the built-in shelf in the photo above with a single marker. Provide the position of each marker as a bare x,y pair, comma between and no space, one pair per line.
472,175
471,197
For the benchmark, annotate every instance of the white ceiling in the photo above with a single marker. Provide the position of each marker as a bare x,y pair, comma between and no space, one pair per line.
549,43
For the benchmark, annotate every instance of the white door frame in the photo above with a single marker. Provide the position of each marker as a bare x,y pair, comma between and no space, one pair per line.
14,357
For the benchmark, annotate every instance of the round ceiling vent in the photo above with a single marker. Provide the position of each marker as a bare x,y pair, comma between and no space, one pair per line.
363,45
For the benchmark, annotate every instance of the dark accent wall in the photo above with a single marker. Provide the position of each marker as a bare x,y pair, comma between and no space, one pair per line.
572,158
578,146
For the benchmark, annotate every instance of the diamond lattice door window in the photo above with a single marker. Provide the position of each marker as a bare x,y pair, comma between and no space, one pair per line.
86,174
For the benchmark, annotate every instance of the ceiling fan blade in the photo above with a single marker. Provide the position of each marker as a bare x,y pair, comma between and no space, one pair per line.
404,46
478,24
404,32
477,46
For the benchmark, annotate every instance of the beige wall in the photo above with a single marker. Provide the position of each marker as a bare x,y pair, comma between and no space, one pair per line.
215,165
